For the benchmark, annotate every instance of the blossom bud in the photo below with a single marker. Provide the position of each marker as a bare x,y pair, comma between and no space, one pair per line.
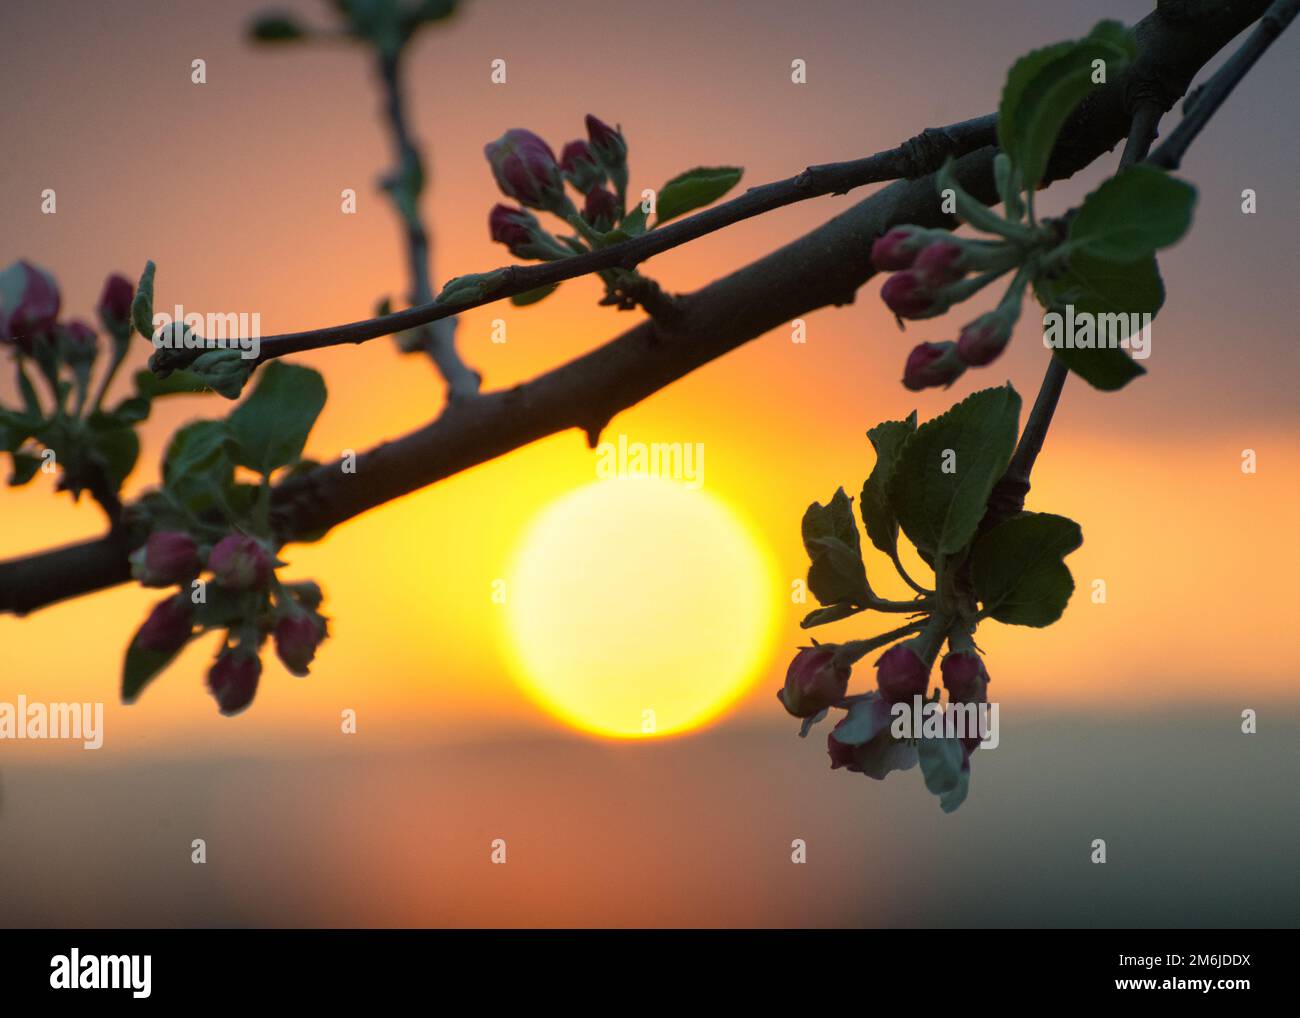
512,227
525,169
964,677
166,558
297,635
29,304
78,344
940,263
114,306
239,563
931,364
581,167
909,295
607,143
168,626
601,209
233,679
901,674
897,249
814,681
984,339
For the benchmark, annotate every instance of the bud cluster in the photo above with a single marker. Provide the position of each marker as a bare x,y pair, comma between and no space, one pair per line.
525,169
932,272
244,597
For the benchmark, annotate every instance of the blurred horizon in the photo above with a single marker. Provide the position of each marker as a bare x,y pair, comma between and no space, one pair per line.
233,188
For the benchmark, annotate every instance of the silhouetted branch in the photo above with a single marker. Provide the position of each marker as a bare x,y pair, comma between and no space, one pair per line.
824,267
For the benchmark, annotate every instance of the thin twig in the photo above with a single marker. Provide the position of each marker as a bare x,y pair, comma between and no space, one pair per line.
916,157
440,336
1204,101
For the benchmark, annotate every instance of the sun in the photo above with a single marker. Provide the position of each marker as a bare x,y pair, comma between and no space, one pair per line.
638,607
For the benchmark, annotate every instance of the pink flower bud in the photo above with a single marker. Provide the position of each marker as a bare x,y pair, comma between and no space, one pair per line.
239,563
938,263
908,295
114,306
166,558
297,635
984,339
29,304
931,364
78,343
901,674
512,227
168,626
814,681
233,679
840,754
607,143
580,166
525,169
896,249
601,209
964,677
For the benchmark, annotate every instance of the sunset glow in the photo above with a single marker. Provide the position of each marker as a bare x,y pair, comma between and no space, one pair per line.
638,607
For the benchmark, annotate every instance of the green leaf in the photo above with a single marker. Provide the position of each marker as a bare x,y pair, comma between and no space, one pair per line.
198,452
1018,572
533,296
633,223
821,616
25,467
1104,368
694,189
142,303
1022,72
140,668
837,573
830,536
877,513
1043,89
271,426
1132,214
941,763
131,410
1097,287
117,448
947,468
150,386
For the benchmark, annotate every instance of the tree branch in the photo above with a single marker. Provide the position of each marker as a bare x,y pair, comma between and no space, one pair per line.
826,266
